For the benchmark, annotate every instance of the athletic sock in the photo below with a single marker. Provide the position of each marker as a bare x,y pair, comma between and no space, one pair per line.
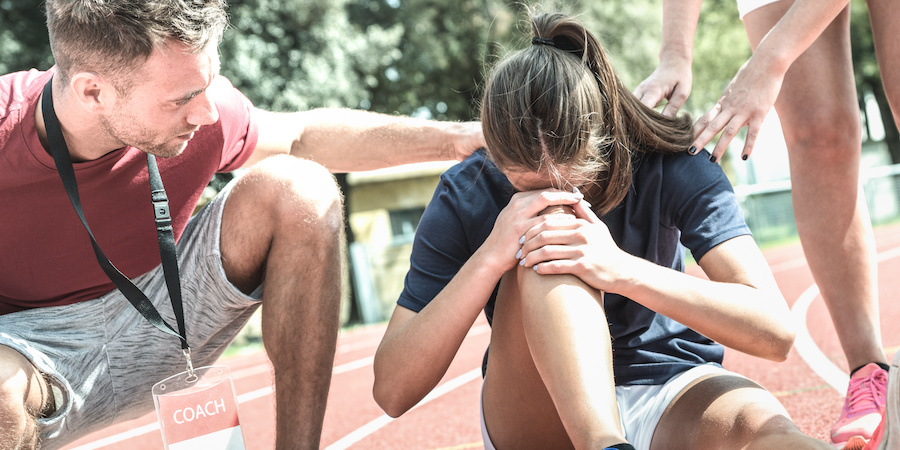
886,367
620,447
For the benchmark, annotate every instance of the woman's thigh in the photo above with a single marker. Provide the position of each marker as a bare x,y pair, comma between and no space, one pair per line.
817,103
518,409
725,412
549,380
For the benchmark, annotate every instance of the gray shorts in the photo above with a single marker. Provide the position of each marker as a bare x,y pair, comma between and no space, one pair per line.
102,357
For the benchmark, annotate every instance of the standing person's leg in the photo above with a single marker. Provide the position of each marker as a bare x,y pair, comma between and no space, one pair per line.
820,117
549,381
283,227
885,18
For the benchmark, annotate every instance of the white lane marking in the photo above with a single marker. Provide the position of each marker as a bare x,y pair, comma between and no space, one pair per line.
259,393
807,348
379,423
809,351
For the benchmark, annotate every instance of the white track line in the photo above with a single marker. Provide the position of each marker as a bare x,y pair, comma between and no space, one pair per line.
379,423
253,395
807,348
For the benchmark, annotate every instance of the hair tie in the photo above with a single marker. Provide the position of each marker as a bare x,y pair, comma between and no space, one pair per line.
545,41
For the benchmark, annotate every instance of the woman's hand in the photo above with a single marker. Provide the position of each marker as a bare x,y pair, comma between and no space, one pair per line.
671,81
579,245
503,246
745,102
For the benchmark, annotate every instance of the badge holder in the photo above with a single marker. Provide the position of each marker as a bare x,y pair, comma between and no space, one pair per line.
198,409
195,409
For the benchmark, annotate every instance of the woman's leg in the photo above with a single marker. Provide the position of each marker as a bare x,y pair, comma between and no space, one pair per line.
820,117
728,412
549,381
885,18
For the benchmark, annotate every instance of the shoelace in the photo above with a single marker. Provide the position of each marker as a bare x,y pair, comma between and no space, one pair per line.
868,393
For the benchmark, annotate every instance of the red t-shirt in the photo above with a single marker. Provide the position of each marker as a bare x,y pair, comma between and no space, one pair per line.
46,258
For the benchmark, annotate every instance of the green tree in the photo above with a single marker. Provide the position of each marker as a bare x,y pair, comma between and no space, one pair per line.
23,36
289,55
868,77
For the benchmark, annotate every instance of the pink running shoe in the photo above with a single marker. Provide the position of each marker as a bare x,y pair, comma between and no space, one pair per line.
887,435
864,405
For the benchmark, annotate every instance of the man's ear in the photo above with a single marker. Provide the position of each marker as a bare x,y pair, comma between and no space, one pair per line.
93,92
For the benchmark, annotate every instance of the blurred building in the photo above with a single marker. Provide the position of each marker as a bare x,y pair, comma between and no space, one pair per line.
384,210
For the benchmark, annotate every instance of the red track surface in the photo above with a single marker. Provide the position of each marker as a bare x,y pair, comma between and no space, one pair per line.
450,421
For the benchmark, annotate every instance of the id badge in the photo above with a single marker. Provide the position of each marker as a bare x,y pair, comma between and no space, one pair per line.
199,410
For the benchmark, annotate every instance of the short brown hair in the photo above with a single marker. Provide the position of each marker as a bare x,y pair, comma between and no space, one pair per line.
559,102
112,37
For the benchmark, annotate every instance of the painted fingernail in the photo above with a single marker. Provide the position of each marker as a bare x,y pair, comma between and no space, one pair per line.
693,150
521,262
522,240
577,193
744,157
712,158
519,254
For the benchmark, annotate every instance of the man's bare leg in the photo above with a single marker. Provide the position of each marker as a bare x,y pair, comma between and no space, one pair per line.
283,227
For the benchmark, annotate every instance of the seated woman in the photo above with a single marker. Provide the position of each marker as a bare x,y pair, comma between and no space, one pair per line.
598,337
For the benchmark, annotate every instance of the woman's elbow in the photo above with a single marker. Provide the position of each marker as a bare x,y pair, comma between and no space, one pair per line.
781,343
388,391
389,399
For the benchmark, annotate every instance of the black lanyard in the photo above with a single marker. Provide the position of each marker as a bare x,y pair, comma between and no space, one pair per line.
60,152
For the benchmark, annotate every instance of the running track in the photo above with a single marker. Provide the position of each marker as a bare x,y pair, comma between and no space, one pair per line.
810,383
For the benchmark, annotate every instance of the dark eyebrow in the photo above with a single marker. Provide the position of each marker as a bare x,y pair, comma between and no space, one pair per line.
190,95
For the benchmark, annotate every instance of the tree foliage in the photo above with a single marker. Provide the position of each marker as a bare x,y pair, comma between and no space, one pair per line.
427,57
868,77
289,55
23,36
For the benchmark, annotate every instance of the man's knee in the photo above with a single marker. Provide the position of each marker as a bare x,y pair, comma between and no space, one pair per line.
24,396
296,192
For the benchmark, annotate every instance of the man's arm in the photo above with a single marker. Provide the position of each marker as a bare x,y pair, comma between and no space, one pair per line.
345,140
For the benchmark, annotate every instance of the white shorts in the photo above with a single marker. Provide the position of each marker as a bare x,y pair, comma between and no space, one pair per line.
745,6
641,407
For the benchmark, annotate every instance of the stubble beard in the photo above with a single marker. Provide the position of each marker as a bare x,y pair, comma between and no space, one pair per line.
141,138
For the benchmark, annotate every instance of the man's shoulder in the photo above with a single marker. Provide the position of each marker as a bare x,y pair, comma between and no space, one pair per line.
17,88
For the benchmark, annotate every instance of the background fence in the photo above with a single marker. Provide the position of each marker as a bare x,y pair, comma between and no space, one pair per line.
769,210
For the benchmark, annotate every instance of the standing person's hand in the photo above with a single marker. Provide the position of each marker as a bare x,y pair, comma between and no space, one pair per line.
671,81
745,102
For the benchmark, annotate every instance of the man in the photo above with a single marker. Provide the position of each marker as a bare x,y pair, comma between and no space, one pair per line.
134,78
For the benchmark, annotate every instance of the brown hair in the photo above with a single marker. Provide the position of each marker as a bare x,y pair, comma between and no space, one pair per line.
113,37
559,102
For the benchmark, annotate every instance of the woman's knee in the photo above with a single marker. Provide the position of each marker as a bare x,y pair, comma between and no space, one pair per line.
829,136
